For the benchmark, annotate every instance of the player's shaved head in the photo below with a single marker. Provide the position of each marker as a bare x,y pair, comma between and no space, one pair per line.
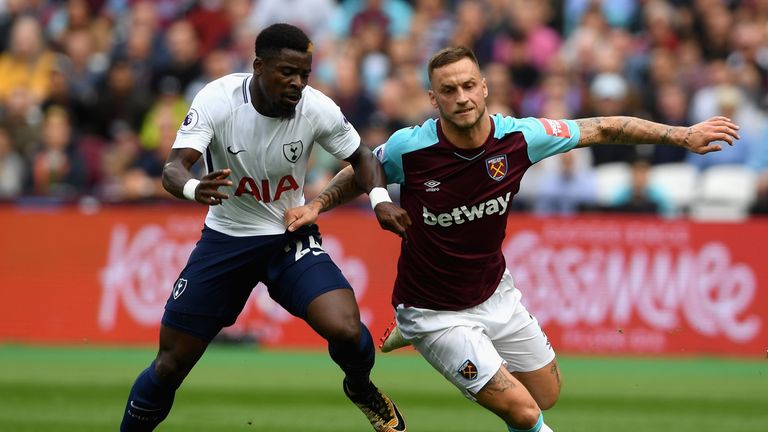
280,36
448,56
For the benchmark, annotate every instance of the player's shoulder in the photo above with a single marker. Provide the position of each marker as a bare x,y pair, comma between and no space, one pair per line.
505,124
532,126
413,138
232,89
315,101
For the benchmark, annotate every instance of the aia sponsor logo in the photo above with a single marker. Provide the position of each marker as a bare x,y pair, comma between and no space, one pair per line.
497,167
556,128
468,370
261,190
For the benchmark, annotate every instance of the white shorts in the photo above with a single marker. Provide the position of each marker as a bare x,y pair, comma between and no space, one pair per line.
469,346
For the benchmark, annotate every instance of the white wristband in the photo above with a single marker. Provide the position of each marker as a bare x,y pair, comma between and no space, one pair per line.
189,188
378,195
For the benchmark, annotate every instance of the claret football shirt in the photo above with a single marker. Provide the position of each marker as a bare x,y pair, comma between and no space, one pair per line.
267,155
459,200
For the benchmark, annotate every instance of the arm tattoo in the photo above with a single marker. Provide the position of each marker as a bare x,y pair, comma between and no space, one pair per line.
499,383
627,130
341,189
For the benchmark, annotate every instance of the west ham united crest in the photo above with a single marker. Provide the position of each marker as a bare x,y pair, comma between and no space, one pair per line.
468,370
497,167
179,287
292,151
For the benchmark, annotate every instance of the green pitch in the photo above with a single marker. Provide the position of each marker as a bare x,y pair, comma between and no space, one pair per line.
82,389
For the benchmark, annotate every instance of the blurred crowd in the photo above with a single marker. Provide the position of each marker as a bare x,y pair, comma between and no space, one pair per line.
92,91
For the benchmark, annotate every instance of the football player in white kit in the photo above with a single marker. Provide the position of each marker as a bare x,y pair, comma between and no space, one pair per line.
255,132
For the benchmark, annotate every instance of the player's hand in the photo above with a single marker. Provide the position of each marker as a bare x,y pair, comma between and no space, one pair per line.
392,218
207,191
297,217
699,137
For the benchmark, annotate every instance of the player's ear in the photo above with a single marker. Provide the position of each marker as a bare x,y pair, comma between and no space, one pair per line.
257,65
432,99
485,88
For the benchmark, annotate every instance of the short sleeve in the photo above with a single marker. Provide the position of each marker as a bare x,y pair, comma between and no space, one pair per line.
334,132
545,137
197,129
390,154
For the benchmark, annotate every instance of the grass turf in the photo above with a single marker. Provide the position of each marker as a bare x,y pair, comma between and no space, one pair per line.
83,389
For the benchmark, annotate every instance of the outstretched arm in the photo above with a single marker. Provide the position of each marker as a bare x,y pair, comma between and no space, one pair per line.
632,130
364,174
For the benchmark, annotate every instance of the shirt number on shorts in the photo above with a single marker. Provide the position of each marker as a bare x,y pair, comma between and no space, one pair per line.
313,246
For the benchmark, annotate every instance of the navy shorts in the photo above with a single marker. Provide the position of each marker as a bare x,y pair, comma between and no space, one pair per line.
222,271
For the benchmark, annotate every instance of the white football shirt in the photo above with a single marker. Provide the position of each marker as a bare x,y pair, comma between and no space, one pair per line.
268,156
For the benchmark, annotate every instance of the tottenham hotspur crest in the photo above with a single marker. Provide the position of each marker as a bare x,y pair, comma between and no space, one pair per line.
292,151
179,287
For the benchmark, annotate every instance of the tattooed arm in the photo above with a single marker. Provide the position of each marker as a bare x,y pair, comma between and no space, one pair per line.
342,189
632,130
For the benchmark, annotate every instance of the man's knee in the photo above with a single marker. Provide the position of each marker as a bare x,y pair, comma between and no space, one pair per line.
171,368
344,331
522,416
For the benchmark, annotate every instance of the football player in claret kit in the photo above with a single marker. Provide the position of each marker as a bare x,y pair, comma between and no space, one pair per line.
255,132
454,299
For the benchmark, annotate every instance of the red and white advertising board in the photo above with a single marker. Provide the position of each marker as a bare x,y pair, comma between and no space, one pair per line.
596,284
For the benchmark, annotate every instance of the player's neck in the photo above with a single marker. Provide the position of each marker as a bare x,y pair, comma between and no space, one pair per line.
468,138
261,102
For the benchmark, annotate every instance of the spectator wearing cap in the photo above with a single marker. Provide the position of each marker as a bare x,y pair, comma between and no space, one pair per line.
609,94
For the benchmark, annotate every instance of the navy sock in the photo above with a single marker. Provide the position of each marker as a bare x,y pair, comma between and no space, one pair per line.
149,402
356,361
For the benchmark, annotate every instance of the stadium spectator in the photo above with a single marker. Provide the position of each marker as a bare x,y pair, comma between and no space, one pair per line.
259,128
566,186
22,118
120,101
212,24
28,61
609,95
640,196
58,168
70,16
312,16
672,109
13,169
169,108
536,50
733,105
216,64
184,61
452,288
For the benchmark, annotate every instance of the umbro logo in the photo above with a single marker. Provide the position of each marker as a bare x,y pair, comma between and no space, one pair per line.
229,149
432,185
